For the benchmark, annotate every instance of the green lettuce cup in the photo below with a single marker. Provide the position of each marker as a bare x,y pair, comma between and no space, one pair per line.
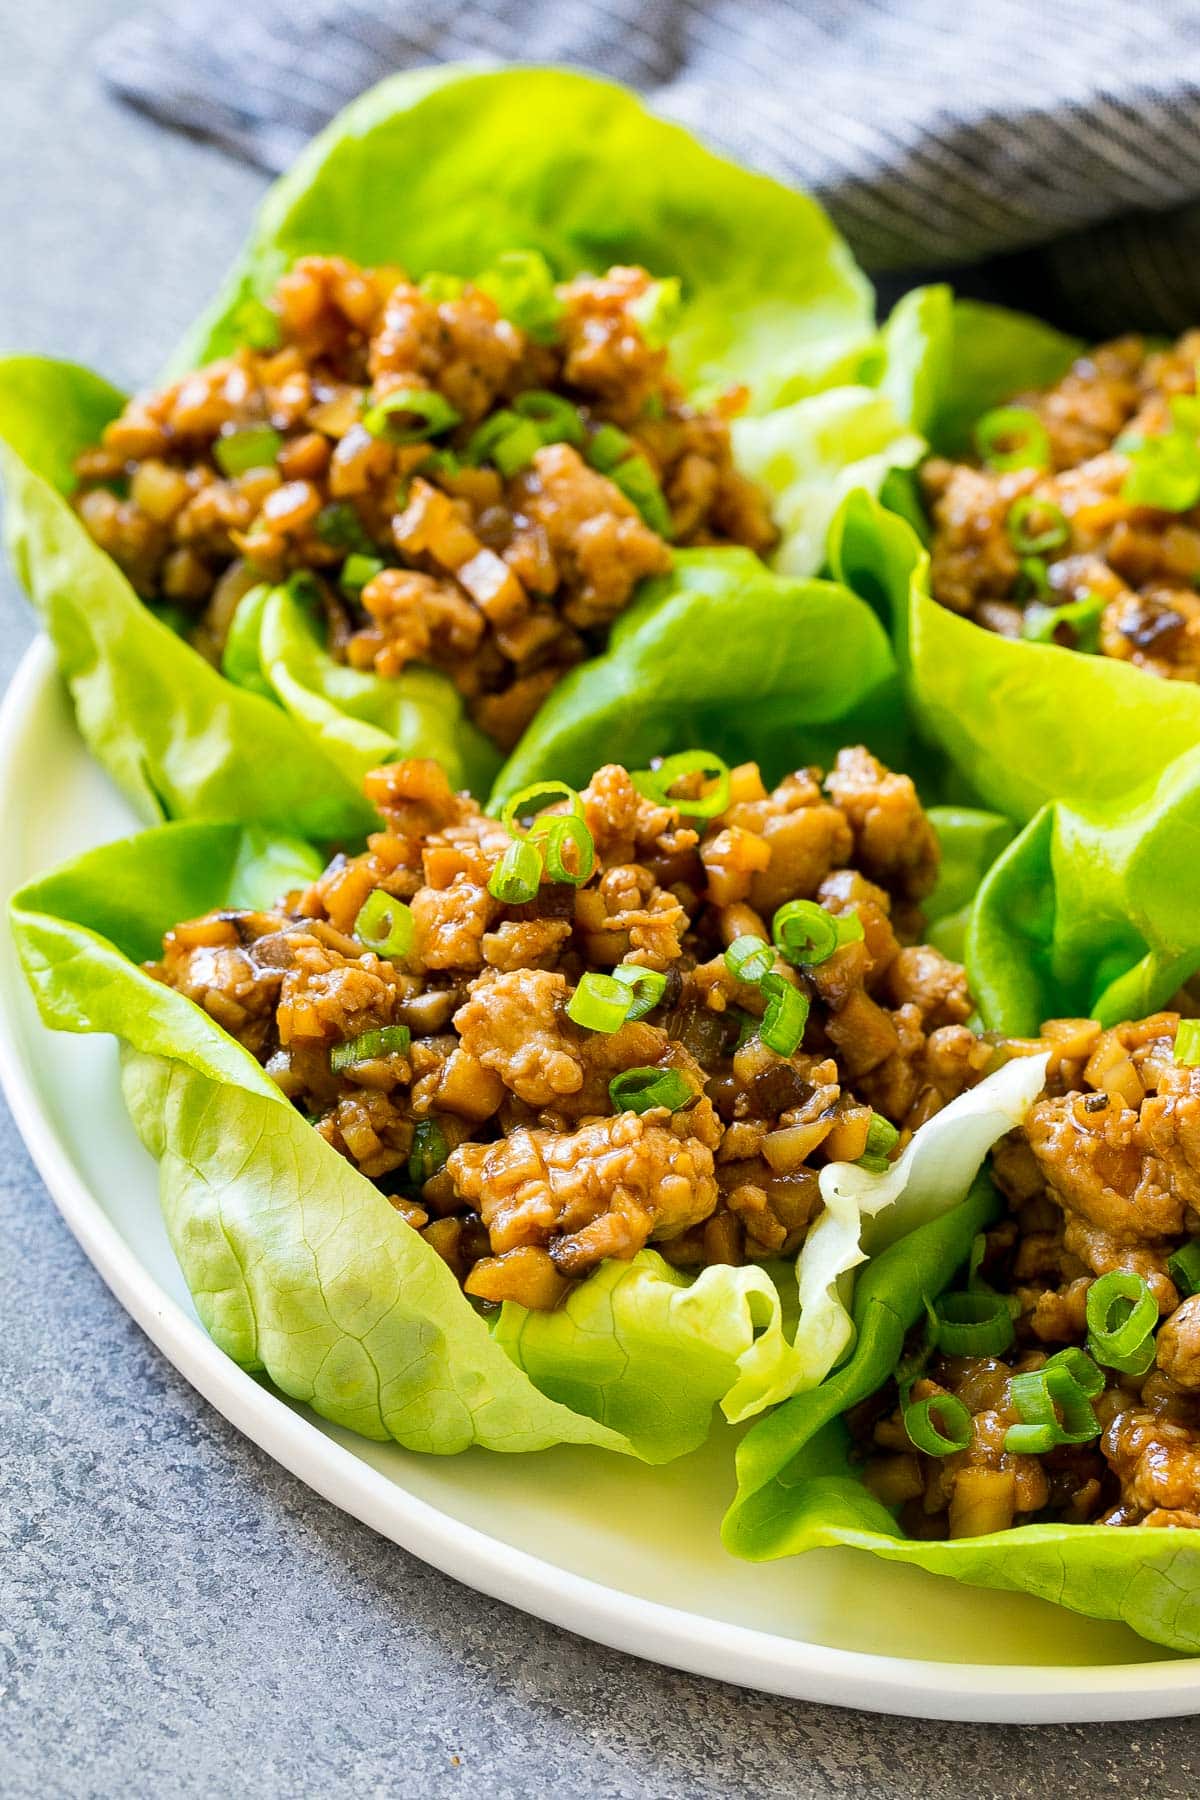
798,1490
447,170
300,1266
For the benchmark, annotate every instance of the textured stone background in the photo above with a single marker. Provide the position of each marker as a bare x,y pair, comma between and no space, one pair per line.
178,1616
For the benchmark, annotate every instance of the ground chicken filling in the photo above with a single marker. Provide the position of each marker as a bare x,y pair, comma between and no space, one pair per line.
456,490
527,1123
1092,539
1103,1179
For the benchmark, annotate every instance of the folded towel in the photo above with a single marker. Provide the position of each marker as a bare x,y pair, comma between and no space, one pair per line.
1057,145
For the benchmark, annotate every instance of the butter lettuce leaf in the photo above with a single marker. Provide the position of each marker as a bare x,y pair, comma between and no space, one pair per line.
447,169
175,736
725,655
798,1491
299,1266
1092,909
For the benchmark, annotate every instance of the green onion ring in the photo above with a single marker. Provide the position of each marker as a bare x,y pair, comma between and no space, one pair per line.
432,411
599,1003
648,987
1122,1314
641,1090
520,803
385,924
939,1425
1032,543
654,784
1031,450
557,420
783,1022
804,933
518,875
749,959
390,1040
429,1151
1187,1043
972,1324
553,835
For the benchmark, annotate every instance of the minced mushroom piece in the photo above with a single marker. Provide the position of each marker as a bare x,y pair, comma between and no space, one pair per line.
501,571
461,1068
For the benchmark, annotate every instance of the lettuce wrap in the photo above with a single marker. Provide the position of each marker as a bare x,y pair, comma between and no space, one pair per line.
300,1266
445,170
797,1490
1092,910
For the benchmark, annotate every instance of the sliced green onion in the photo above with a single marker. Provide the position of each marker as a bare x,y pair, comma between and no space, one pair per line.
640,1090
256,324
1031,1440
1022,525
432,412
648,987
517,449
749,959
547,792
599,1003
607,446
1122,1314
804,932
252,447
1187,1043
1184,1268
638,482
655,784
392,1040
1012,437
429,1151
1041,623
553,835
444,463
1051,1397
882,1136
1033,574
658,310
1082,1370
522,285
940,1425
972,1324
385,924
339,525
786,1016
518,875
558,422
357,570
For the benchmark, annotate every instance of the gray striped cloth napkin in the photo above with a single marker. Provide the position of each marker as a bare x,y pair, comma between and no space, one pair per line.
1051,148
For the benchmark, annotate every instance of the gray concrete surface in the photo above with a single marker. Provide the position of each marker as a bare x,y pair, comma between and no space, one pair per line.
178,1616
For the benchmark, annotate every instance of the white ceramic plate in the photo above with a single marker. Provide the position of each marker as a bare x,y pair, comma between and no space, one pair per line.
623,1554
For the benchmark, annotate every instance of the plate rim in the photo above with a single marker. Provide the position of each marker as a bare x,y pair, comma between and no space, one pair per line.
650,1629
